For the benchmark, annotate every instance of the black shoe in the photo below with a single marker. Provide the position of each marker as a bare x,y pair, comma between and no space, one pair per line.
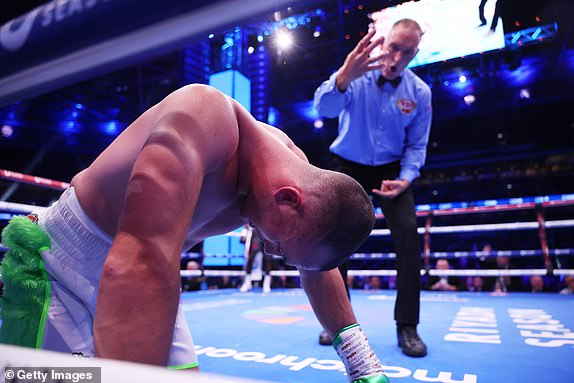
325,339
410,341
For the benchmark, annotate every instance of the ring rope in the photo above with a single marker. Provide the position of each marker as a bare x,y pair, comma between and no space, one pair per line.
387,273
484,227
33,180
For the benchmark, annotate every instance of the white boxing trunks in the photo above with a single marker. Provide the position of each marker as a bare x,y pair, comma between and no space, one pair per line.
73,266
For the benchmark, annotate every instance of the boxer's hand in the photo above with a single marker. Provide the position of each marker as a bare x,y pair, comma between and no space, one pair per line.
361,363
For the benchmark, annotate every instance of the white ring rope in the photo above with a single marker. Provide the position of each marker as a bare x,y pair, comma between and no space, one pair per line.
476,254
485,227
19,208
389,273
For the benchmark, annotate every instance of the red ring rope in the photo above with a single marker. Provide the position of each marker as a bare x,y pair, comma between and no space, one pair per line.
33,180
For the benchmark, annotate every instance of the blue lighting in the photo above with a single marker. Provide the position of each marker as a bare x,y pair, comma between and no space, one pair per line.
306,110
6,216
111,127
272,116
260,38
291,23
523,75
70,126
211,35
234,84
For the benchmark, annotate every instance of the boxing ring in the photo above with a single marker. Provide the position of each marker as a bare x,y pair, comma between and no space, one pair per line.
472,337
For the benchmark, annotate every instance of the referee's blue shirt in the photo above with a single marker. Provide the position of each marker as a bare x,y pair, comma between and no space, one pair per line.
380,125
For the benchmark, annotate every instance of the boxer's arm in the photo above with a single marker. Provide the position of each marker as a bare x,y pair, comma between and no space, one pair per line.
328,297
139,287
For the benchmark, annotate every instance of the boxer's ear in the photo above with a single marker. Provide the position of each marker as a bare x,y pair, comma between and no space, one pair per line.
288,195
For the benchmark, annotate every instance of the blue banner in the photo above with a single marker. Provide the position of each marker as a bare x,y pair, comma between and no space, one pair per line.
64,26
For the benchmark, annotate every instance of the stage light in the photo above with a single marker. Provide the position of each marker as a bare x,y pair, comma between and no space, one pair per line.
524,94
250,50
318,124
210,36
317,32
469,99
272,116
462,78
284,40
259,38
111,127
7,131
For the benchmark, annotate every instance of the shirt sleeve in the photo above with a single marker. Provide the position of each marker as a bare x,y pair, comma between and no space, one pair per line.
328,100
417,137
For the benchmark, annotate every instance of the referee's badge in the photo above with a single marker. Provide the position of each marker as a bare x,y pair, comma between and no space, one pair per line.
406,106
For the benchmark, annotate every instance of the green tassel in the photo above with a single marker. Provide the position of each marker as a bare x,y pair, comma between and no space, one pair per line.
26,287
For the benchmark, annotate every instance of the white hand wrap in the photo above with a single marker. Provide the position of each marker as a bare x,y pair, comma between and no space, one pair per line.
354,350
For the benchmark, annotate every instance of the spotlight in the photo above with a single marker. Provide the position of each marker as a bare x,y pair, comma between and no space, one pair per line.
110,127
318,124
250,50
317,32
284,40
210,36
469,99
524,94
462,78
7,131
259,38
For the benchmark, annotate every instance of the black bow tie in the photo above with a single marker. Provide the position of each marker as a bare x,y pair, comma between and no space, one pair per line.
395,82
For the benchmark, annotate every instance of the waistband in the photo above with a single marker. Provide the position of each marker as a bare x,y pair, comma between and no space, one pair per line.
69,226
